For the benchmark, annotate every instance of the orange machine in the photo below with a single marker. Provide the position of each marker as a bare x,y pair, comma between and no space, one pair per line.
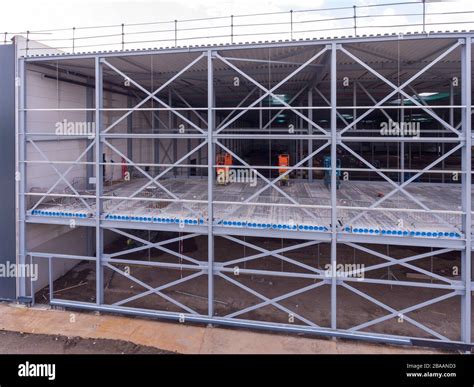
224,161
284,161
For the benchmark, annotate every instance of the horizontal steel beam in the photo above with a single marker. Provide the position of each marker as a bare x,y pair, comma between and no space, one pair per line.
241,323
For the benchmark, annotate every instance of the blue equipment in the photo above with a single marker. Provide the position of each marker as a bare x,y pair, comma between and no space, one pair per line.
327,172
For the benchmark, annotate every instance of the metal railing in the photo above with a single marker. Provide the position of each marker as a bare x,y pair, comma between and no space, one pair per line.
398,17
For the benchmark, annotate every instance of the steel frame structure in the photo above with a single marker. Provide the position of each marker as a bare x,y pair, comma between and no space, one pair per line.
213,137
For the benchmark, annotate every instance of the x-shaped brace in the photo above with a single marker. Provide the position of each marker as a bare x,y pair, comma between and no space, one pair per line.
401,187
277,299
157,290
399,89
154,180
158,246
402,262
153,94
73,164
269,301
403,312
273,253
269,182
270,92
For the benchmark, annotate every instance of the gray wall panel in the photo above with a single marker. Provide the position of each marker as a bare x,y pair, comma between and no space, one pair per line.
7,167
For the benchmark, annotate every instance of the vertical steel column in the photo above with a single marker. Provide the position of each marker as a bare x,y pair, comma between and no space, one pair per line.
451,122
172,124
466,190
333,185
90,118
156,141
310,133
21,177
99,182
130,129
354,103
300,125
260,127
188,160
210,183
90,159
402,144
199,162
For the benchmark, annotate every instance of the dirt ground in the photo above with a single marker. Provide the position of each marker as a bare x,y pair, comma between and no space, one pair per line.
310,306
23,343
167,336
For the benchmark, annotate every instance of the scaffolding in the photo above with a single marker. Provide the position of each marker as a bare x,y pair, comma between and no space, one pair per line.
326,93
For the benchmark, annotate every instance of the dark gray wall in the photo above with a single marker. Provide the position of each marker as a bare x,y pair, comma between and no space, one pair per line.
7,167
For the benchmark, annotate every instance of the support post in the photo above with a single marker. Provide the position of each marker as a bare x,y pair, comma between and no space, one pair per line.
466,269
130,129
210,182
99,181
333,184
424,16
172,124
355,19
189,147
90,159
402,143
451,122
90,118
156,141
21,86
310,133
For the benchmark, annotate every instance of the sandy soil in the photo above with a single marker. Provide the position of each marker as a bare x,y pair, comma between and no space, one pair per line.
23,343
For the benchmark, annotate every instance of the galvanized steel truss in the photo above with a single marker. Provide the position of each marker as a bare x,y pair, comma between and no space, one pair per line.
213,136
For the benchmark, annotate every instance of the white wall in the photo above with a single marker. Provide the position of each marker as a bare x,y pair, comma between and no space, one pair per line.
43,92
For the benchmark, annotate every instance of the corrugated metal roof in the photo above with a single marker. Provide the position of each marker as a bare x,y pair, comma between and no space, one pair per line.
397,60
246,44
